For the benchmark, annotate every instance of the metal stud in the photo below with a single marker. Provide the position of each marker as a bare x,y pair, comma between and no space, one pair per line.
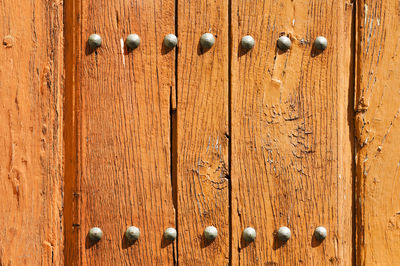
94,41
132,233
210,233
284,234
320,233
249,234
170,41
284,43
132,41
170,234
207,40
321,43
247,42
95,234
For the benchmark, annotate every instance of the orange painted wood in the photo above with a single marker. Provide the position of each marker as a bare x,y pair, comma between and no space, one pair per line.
118,159
231,138
377,133
31,84
291,142
202,133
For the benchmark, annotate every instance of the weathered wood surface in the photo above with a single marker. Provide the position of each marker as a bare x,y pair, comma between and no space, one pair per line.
291,143
377,133
202,133
288,117
118,167
31,68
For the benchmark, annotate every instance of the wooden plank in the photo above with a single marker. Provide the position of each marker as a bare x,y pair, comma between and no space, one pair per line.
291,144
202,133
377,131
119,163
31,69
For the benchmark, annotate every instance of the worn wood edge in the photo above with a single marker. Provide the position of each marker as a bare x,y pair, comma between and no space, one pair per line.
71,59
174,137
357,234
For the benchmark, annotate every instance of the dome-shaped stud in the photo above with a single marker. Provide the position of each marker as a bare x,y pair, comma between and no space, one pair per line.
95,234
170,234
210,233
247,42
132,41
170,41
320,233
249,234
94,41
284,234
132,233
284,43
207,40
321,43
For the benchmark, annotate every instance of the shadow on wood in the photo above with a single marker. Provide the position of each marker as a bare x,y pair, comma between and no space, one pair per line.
315,242
126,243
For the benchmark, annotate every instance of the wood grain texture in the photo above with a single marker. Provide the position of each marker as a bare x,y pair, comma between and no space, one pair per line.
377,131
118,168
291,143
31,81
202,133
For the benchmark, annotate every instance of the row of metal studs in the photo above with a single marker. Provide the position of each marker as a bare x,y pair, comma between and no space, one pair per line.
207,40
210,233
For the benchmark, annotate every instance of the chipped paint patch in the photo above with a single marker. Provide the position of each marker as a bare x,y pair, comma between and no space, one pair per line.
122,51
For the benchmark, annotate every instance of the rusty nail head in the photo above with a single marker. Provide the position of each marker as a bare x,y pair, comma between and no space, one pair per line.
284,234
284,43
95,234
321,43
132,233
207,40
247,42
170,41
170,234
210,233
94,41
249,234
320,233
133,41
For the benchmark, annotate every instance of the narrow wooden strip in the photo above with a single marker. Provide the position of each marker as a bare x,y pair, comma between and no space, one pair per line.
31,81
122,130
377,132
291,143
202,137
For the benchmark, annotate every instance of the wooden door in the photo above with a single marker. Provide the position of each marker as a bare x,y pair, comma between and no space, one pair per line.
188,137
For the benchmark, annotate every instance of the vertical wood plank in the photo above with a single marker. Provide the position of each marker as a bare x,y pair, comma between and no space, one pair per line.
377,131
31,86
202,133
119,163
291,143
